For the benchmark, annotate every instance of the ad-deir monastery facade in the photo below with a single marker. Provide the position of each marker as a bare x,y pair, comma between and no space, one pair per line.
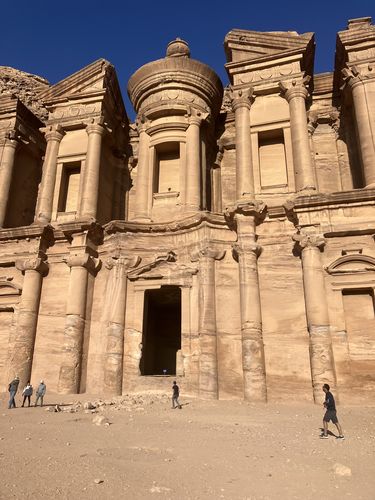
225,238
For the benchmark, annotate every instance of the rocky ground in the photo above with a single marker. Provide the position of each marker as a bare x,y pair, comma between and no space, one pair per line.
137,447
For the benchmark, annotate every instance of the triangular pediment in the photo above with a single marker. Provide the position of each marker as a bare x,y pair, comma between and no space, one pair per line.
97,77
244,45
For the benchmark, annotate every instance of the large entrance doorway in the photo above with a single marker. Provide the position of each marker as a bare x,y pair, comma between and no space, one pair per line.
161,331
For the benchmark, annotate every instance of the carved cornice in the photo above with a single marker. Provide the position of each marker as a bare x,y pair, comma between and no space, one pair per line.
216,220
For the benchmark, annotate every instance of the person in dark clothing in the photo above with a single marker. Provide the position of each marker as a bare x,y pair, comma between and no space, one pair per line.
175,396
330,414
13,388
26,393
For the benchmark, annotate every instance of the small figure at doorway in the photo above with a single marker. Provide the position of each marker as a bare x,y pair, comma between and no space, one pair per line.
330,414
175,396
164,371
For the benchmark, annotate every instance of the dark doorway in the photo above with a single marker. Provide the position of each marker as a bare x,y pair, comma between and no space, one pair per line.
161,331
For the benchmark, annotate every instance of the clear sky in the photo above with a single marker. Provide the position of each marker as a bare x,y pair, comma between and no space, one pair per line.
56,38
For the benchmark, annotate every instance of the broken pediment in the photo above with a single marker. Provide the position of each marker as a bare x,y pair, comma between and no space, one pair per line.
98,78
163,266
352,264
8,288
243,45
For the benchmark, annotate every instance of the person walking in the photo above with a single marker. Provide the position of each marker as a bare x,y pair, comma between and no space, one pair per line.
13,388
330,414
175,396
26,393
40,392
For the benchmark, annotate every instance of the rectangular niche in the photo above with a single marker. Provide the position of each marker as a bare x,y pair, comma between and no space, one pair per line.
272,160
360,322
69,187
167,168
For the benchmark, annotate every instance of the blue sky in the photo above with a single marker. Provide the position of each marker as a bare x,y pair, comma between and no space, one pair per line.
56,38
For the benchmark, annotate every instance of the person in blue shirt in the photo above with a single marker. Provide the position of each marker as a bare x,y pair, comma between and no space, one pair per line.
330,414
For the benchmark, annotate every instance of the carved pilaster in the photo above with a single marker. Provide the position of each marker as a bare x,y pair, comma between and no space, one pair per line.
357,80
54,135
70,370
8,146
295,92
33,268
208,363
321,354
144,180
114,311
193,160
241,102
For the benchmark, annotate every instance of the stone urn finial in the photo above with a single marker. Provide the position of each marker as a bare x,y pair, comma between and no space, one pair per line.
178,48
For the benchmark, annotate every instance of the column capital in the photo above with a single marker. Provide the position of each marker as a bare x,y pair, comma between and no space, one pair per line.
53,132
142,124
294,88
33,264
309,240
241,249
207,251
85,260
252,208
241,98
9,138
196,117
123,263
96,126
354,76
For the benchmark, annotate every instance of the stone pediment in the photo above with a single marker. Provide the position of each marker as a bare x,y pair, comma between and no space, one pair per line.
163,266
243,45
352,264
9,289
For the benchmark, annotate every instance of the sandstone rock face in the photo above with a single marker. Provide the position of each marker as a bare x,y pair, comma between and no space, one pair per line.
223,240
26,87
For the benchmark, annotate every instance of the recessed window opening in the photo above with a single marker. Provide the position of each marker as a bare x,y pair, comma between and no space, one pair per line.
272,160
167,168
161,331
69,188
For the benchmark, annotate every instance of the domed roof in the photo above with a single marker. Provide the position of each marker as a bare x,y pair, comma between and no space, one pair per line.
25,86
175,78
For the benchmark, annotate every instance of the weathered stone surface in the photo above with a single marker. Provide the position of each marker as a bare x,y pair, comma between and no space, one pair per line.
224,239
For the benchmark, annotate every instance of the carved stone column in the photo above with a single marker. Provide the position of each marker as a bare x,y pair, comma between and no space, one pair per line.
193,163
216,203
364,121
247,252
321,354
53,135
241,103
8,144
295,93
115,323
143,174
22,356
208,373
90,187
70,370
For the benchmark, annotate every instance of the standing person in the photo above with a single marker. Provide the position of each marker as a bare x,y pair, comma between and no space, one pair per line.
40,392
12,388
330,414
26,393
175,396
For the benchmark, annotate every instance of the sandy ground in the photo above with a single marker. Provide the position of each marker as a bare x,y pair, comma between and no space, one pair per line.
206,450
